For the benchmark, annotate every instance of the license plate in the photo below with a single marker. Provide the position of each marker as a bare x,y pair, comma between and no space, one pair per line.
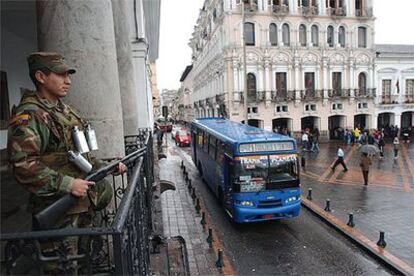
269,216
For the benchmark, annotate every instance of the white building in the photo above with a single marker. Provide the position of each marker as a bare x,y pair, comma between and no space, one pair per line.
310,63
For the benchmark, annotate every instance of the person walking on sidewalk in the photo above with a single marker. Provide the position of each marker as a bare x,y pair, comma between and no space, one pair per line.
396,144
340,159
381,145
364,164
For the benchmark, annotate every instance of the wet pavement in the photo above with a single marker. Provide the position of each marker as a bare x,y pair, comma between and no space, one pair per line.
386,204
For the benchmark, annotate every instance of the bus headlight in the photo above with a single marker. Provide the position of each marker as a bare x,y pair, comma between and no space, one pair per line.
245,203
291,199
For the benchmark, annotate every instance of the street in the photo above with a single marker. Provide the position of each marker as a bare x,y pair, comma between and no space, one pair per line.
304,245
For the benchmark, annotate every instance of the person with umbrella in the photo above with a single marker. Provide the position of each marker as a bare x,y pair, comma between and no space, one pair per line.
364,164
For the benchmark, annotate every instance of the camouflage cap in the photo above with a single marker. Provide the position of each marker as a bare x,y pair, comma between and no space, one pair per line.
52,61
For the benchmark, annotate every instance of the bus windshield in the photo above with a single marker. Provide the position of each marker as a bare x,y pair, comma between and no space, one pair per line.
257,173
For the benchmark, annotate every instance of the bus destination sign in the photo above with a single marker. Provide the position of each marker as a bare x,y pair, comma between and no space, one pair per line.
263,147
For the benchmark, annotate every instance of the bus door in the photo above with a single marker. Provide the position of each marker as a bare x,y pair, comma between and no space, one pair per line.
227,183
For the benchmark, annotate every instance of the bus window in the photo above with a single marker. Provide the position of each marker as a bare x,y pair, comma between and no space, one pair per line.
200,138
212,147
228,150
283,168
205,145
220,152
250,174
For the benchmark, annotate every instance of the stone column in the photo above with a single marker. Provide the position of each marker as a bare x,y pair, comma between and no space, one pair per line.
126,70
83,31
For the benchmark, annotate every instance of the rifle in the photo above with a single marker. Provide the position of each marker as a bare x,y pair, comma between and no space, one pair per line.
47,218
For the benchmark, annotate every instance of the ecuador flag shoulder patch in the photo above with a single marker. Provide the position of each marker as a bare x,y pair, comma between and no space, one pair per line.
22,119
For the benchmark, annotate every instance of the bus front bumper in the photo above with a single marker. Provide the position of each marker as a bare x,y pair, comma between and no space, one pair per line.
248,214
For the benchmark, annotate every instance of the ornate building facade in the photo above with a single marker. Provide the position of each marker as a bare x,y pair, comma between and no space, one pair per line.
310,63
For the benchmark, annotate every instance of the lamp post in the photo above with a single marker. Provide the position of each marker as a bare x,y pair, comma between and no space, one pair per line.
244,65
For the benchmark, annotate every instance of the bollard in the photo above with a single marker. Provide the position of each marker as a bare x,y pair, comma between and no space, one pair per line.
309,194
351,220
210,237
193,194
328,205
184,171
381,242
190,187
182,164
219,262
186,177
198,206
203,219
189,182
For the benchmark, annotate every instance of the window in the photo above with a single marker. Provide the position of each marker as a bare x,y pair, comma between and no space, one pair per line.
282,108
212,147
251,86
249,34
337,83
310,107
337,106
273,34
205,145
4,102
220,152
330,36
315,35
362,83
362,37
309,83
302,35
386,87
409,87
362,105
341,37
286,34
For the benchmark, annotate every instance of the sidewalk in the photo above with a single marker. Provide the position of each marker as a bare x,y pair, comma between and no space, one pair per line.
386,204
180,218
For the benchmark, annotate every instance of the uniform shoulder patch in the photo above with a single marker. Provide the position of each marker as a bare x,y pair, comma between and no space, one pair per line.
21,119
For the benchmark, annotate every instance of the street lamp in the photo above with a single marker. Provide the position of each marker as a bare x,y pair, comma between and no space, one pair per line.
244,64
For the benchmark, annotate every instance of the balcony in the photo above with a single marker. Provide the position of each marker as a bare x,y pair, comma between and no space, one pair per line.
311,94
336,12
280,9
260,96
308,11
282,95
339,93
367,93
364,13
409,99
250,7
389,99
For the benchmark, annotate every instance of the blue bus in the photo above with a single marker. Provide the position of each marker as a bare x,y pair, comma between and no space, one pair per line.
253,172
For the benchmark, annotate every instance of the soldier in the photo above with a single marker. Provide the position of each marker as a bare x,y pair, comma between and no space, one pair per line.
40,136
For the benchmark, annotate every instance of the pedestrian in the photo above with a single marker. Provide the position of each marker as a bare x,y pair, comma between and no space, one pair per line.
396,144
41,138
315,141
364,163
339,159
305,140
381,145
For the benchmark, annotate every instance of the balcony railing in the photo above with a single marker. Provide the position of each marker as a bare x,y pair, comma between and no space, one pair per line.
250,6
283,95
339,93
280,9
336,12
368,93
363,13
311,94
389,99
308,11
409,99
119,244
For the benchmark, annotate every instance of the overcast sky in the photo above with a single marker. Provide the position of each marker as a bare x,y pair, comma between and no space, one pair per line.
394,25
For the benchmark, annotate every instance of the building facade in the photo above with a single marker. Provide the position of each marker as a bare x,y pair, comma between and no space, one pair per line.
111,43
310,63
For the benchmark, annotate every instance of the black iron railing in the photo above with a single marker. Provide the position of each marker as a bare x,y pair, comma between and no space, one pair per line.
117,243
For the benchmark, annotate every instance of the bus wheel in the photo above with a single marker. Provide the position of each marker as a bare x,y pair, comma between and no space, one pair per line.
200,169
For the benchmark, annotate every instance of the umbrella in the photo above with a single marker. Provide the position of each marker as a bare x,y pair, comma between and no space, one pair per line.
369,149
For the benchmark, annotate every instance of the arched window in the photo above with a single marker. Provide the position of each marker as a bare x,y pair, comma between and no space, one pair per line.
330,36
362,83
249,33
315,35
273,34
251,86
362,37
341,36
302,35
286,34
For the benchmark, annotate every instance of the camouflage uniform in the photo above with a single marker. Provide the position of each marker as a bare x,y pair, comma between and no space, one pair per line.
39,138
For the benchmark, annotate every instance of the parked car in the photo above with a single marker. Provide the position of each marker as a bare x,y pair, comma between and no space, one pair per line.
182,138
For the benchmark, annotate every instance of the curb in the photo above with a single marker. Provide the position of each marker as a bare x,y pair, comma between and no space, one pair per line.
390,261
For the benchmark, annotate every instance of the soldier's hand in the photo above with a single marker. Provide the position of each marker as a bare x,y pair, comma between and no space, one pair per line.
122,168
80,187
